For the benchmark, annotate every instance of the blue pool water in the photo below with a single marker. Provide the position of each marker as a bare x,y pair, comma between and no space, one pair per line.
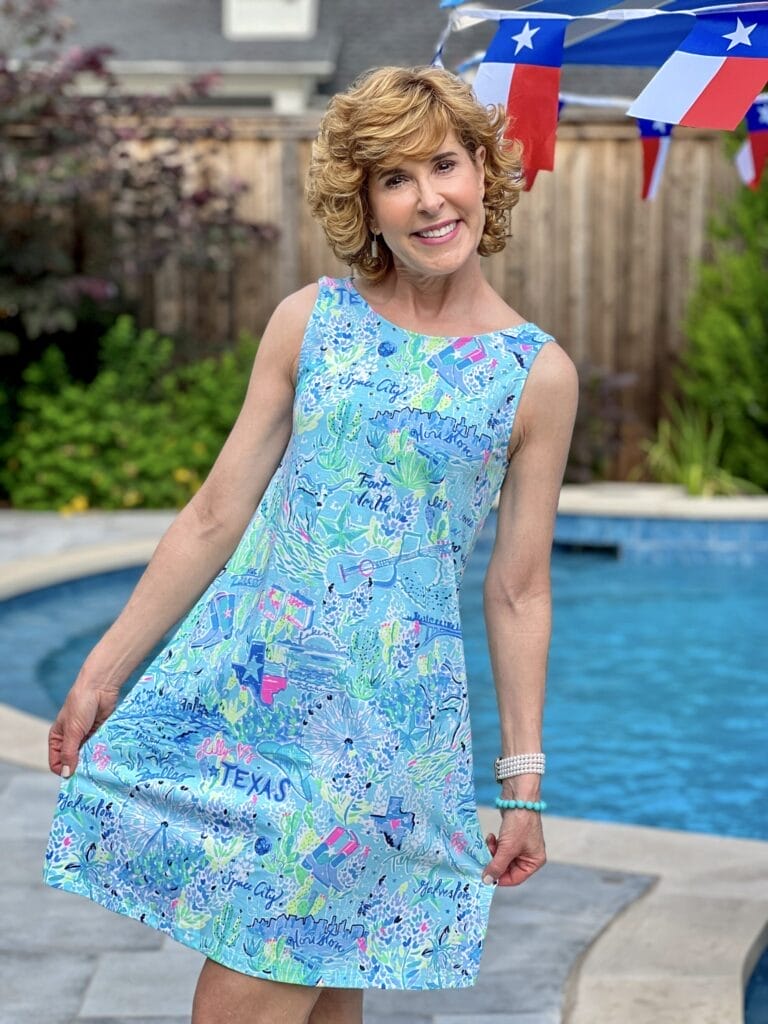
656,703
756,996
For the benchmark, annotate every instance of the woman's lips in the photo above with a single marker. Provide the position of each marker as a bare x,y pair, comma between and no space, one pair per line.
445,233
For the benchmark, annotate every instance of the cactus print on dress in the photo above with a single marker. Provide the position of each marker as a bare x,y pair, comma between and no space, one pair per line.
288,789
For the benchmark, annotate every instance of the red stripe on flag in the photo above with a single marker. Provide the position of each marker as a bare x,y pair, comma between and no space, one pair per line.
532,107
726,99
759,143
651,146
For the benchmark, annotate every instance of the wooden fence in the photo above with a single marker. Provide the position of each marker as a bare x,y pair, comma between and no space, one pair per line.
607,274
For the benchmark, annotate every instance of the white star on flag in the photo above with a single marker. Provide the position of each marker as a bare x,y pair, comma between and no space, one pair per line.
524,37
659,126
740,34
762,113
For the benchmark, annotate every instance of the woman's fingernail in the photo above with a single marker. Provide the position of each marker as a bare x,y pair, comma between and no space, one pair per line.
65,772
489,880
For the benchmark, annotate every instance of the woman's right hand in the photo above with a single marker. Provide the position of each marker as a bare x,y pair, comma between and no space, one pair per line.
87,706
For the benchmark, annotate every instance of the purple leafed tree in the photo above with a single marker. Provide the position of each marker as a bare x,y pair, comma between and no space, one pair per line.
97,186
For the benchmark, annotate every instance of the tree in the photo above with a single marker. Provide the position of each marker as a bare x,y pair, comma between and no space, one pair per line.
95,186
723,372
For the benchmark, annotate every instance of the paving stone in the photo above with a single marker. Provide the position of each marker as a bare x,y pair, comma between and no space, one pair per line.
147,984
31,534
492,994
138,1020
538,941
23,861
7,772
692,926
656,1000
545,1017
37,990
375,1018
586,892
27,804
58,920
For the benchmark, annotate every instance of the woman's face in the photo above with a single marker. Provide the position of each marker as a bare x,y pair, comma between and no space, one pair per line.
430,211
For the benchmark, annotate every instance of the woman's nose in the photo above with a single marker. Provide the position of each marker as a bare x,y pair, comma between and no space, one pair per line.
430,199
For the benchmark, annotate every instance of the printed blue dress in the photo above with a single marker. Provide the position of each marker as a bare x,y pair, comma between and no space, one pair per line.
288,788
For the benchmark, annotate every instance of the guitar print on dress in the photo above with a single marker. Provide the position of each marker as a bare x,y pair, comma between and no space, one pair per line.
346,572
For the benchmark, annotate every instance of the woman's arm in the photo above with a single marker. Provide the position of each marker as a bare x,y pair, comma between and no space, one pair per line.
200,539
516,594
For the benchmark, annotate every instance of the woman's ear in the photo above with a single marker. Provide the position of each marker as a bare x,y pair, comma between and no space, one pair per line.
479,160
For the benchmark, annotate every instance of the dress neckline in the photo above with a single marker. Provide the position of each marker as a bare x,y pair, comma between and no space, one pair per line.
421,334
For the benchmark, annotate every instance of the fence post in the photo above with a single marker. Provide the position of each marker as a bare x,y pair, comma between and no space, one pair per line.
291,198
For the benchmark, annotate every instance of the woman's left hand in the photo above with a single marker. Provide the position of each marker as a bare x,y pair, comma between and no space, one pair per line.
518,851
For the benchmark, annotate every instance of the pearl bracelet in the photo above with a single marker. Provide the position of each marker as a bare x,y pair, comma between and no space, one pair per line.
519,764
523,805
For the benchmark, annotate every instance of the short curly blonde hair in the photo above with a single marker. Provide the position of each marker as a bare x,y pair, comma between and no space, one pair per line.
392,113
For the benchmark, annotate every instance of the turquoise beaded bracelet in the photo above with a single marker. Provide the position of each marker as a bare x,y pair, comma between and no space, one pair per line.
525,805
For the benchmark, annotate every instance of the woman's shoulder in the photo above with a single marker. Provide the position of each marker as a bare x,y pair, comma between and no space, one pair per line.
283,335
553,376
297,306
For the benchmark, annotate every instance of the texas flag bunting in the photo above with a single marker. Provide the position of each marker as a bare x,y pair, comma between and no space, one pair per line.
714,75
753,155
655,137
521,70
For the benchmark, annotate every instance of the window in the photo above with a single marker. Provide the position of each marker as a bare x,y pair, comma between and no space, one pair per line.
269,19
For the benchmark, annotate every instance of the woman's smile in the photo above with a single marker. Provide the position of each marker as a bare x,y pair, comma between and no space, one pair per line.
446,231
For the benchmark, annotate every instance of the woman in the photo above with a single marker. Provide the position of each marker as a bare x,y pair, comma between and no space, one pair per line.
289,787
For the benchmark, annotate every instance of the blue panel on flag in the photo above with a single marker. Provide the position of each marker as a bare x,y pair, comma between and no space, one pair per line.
632,43
577,8
653,129
729,35
528,41
757,117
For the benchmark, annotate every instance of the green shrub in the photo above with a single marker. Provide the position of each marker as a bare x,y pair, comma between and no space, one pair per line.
687,450
141,434
724,369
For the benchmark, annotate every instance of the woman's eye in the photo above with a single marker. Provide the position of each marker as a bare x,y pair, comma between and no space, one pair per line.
446,165
394,181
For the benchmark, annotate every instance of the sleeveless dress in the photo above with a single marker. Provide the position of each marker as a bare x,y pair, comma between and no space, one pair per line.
288,788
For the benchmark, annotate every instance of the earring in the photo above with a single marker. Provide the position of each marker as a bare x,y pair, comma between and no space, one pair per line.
374,248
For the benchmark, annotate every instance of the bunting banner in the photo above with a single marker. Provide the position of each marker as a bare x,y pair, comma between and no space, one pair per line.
521,71
753,155
712,65
655,137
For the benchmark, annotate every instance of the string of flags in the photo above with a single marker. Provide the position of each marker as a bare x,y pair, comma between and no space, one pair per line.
713,78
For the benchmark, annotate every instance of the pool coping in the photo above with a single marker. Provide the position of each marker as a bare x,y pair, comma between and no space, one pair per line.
27,574
657,501
684,949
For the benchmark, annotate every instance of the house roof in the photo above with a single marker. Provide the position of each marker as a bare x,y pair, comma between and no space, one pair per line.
184,31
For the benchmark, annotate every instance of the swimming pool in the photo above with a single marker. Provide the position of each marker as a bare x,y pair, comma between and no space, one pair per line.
756,995
656,698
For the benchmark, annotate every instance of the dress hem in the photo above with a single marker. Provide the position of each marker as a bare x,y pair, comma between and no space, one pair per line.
352,980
